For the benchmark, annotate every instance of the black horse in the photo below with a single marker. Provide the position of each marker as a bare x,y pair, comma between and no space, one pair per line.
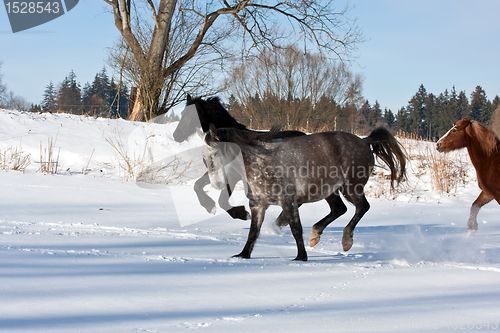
200,113
303,169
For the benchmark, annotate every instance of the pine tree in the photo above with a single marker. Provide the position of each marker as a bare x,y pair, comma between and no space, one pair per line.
364,117
479,109
433,108
49,98
463,107
69,95
87,98
403,120
416,112
495,103
376,114
389,118
118,99
452,110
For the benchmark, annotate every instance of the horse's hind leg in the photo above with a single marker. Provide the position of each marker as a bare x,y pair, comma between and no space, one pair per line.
291,213
481,200
338,208
281,221
257,219
362,206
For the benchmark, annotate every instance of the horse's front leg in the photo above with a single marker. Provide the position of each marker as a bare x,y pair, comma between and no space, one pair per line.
258,212
237,212
481,200
203,198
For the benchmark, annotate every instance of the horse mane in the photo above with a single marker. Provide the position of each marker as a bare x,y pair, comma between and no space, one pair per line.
251,138
487,139
211,111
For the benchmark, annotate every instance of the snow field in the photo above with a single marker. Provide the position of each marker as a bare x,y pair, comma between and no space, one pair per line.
91,252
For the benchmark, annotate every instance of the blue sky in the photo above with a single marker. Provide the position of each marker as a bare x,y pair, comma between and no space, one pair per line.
75,41
437,43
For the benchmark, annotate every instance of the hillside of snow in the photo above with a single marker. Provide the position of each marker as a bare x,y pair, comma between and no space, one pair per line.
88,248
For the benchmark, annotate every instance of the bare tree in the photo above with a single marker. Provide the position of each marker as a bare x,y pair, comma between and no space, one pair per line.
286,85
16,102
3,89
162,36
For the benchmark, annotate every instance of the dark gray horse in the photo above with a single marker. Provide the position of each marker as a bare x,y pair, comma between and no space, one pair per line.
299,170
201,112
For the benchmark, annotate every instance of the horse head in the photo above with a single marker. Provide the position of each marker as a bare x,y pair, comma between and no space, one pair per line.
189,122
455,138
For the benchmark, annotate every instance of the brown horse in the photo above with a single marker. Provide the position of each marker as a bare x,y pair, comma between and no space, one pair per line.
482,145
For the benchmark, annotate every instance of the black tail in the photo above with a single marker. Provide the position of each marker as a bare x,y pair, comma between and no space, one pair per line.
388,149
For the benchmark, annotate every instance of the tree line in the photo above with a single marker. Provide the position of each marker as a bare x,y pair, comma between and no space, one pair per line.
298,89
306,90
101,98
426,115
431,116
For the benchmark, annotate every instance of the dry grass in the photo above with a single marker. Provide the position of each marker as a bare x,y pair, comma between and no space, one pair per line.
140,166
49,162
86,169
129,164
427,170
165,173
14,158
447,171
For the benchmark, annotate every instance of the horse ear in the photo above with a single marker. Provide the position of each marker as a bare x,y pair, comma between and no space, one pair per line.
188,98
213,132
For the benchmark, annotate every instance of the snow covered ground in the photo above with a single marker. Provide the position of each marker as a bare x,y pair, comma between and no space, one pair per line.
86,250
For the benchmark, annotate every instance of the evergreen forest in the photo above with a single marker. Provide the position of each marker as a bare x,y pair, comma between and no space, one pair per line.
427,115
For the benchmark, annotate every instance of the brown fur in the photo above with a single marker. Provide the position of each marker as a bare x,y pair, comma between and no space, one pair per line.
486,138
482,145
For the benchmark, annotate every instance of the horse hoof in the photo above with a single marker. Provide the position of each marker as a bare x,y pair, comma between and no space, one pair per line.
313,241
239,213
471,232
301,258
347,240
347,247
213,210
240,255
314,237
